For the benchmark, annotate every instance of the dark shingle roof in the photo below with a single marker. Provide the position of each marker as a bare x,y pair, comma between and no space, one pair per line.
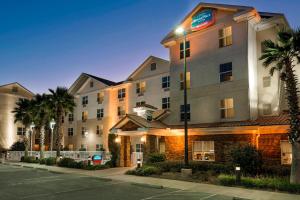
105,81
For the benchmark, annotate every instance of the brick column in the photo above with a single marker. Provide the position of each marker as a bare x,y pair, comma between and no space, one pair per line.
125,155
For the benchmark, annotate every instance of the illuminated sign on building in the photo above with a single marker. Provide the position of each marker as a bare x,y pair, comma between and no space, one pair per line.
202,20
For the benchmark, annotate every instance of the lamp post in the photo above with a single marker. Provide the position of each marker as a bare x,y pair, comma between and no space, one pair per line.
52,124
180,31
32,125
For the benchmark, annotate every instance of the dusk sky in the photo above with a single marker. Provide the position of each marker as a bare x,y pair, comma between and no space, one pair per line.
48,43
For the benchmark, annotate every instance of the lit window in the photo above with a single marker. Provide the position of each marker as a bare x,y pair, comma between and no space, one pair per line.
21,131
84,116
267,109
99,130
138,147
187,50
91,84
286,152
140,103
188,112
153,66
71,117
165,103
121,111
266,81
70,132
225,37
204,151
188,80
226,72
100,113
84,132
121,93
140,88
100,97
227,109
85,100
165,82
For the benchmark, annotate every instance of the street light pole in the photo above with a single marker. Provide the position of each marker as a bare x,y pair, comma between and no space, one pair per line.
181,31
31,133
52,124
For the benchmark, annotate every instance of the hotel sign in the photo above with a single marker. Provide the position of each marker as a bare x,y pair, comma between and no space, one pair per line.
202,20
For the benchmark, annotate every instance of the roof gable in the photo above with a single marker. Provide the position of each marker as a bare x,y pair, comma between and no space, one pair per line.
21,90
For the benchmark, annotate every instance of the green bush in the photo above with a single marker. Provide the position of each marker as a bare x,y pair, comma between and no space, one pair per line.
144,171
43,161
248,158
96,167
281,184
275,170
51,161
30,159
67,162
156,157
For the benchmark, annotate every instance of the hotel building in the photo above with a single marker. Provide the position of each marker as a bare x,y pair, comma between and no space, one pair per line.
232,99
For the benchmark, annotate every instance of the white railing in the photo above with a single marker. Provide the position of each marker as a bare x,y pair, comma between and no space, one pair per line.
77,155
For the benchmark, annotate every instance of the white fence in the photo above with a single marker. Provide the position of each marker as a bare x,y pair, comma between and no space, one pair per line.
77,155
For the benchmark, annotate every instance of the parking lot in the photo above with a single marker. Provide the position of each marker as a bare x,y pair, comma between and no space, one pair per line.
27,183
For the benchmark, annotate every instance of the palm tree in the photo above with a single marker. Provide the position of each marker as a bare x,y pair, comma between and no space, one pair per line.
42,115
23,113
61,102
281,56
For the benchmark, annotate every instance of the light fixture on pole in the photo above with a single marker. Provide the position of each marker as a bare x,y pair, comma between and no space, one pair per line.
181,31
32,125
52,124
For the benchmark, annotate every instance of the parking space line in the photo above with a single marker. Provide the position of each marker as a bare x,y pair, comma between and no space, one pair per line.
212,195
161,195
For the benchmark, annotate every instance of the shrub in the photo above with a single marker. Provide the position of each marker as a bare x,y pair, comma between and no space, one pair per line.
18,146
281,184
96,167
156,157
275,170
30,159
67,162
144,171
51,161
248,158
43,161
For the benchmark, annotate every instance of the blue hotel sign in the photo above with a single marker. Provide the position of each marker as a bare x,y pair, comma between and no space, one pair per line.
203,19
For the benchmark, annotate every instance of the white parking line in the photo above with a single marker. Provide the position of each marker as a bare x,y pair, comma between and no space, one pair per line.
161,195
208,196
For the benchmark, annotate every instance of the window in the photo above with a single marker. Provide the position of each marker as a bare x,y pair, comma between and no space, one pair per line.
100,113
225,37
84,132
153,66
188,80
165,103
138,147
71,117
162,147
85,100
121,93
91,84
226,107
100,97
187,49
121,111
266,81
188,112
70,132
140,103
165,82
84,116
14,89
226,72
267,109
99,147
140,88
21,131
286,152
99,130
83,147
204,151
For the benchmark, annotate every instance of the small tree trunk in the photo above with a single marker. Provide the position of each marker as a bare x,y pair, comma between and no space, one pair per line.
26,142
59,134
42,142
295,167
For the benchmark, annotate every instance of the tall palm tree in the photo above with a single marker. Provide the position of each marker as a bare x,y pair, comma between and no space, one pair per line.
62,102
42,115
23,113
281,55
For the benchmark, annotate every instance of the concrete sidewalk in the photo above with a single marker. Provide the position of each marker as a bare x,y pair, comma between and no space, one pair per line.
118,174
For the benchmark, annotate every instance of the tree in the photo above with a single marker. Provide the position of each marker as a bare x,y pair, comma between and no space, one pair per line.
23,113
42,114
62,102
281,55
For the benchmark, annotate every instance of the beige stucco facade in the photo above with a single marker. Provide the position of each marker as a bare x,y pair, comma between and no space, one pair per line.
9,95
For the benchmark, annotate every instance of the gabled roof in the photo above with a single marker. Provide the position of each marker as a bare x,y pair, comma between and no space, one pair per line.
140,121
82,79
143,65
18,84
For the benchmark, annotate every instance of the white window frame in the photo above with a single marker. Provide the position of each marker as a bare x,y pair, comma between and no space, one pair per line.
85,100
100,113
70,131
226,109
201,155
139,147
166,103
21,131
225,38
141,87
165,82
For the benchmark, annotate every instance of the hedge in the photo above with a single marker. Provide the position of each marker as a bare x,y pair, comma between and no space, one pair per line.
145,171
